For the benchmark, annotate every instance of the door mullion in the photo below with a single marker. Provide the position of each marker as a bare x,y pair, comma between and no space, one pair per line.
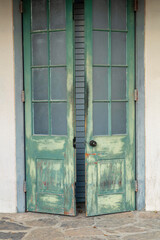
49,92
109,71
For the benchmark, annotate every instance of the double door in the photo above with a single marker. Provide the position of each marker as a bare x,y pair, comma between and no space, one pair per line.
50,119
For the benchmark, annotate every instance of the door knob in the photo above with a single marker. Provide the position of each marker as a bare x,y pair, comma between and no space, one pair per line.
93,143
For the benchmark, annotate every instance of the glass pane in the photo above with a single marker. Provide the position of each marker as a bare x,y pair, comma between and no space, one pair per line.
100,83
57,14
100,47
39,49
118,14
118,83
58,48
58,83
100,14
59,118
39,15
40,118
40,84
118,118
100,118
118,48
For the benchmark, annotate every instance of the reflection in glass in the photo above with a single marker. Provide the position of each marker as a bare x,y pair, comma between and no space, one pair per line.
59,118
118,83
118,14
58,83
58,48
40,118
100,83
57,14
100,14
100,47
100,118
118,118
39,15
39,49
118,48
40,84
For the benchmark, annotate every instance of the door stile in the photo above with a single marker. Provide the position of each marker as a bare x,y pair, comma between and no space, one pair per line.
70,177
90,171
130,163
31,187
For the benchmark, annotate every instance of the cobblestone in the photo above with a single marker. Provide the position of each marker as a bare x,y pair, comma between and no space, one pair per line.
122,226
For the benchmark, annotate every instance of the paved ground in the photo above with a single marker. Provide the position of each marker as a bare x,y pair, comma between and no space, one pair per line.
124,226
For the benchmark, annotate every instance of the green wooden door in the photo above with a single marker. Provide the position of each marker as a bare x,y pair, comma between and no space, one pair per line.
110,108
49,131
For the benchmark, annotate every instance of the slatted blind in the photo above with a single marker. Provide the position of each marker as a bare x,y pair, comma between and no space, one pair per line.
80,114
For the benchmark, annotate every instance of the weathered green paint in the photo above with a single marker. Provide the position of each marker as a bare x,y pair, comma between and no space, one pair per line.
50,160
110,166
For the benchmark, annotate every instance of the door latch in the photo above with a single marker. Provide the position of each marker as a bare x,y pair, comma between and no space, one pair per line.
136,185
24,186
74,142
136,95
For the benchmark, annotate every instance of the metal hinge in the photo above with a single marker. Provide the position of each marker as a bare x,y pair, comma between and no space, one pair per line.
24,187
21,6
23,96
136,95
135,5
136,185
74,142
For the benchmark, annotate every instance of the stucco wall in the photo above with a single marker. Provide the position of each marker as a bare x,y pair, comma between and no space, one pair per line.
152,101
7,111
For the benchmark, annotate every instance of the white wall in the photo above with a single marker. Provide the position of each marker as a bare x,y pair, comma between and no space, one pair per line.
152,109
7,111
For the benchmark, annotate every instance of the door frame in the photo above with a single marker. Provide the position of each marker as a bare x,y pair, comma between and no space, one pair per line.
140,106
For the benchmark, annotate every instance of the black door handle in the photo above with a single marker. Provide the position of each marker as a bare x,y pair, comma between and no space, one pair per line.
93,143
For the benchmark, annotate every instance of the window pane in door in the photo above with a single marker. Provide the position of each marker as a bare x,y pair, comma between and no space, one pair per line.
40,84
39,15
100,118
100,83
40,118
58,83
118,83
100,14
39,49
118,14
118,48
58,48
59,118
100,47
57,14
118,118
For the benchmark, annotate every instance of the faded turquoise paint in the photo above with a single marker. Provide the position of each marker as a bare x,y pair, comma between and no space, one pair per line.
50,160
110,166
140,108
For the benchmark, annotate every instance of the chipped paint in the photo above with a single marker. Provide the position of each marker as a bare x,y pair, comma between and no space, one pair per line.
110,166
50,160
89,154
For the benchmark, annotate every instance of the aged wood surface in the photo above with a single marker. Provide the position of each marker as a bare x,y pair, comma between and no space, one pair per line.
110,166
50,160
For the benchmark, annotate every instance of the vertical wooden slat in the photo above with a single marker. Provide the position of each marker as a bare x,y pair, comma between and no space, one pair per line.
80,71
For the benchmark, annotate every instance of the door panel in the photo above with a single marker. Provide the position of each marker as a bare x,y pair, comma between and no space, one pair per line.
110,113
49,125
